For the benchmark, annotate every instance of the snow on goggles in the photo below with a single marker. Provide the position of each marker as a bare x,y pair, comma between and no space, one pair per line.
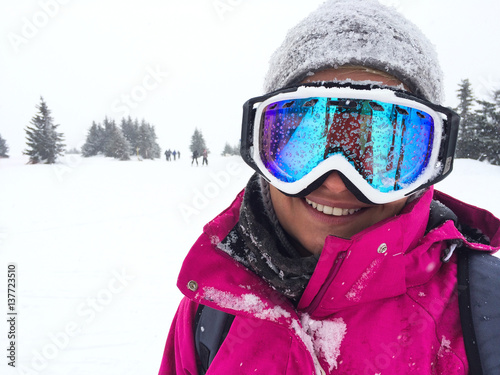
384,143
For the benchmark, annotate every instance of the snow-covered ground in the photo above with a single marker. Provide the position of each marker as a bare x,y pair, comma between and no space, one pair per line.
98,243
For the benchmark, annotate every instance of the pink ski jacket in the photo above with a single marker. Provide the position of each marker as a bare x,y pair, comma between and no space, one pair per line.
382,302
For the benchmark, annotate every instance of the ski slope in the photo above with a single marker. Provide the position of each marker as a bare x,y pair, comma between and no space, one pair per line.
98,243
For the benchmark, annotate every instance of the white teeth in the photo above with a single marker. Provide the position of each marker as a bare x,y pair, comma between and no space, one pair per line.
335,211
338,211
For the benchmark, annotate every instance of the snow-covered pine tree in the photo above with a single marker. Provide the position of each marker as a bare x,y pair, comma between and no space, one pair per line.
115,144
120,146
228,150
236,149
44,143
155,147
4,149
94,143
197,142
488,127
130,130
143,141
148,147
467,143
109,131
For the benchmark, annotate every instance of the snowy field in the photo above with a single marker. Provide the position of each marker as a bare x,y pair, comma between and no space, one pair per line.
98,244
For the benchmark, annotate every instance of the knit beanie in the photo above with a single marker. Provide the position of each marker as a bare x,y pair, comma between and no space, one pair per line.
357,32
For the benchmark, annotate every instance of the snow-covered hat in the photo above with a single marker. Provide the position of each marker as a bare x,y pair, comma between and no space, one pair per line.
357,32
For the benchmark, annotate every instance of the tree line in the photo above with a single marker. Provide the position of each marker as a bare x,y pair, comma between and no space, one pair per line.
231,150
479,131
478,137
130,138
45,143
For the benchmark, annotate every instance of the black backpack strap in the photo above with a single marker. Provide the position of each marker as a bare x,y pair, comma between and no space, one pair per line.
438,214
479,304
210,329
464,305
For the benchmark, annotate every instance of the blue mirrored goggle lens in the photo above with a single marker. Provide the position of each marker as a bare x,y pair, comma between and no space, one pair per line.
389,145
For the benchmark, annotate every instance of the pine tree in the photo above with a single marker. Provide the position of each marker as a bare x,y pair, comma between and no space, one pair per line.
109,130
121,147
236,149
4,149
231,150
113,141
155,147
488,127
115,144
148,147
467,143
94,143
197,142
143,141
228,150
43,140
130,130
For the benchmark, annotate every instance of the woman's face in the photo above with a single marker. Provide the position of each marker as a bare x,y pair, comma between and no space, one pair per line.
331,209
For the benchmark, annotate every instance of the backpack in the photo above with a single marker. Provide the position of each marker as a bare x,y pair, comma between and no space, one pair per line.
478,283
479,305
211,328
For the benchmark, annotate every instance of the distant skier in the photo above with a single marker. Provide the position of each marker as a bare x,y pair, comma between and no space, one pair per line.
205,157
168,153
195,157
174,154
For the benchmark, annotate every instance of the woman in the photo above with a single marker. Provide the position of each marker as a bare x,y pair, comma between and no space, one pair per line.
338,258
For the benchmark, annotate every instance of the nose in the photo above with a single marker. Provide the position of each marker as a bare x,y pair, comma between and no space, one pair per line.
334,183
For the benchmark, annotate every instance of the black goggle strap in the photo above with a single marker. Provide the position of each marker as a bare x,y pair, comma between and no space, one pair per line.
247,134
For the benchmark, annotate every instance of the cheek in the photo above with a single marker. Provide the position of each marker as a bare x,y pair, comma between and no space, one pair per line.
287,210
282,204
391,209
397,206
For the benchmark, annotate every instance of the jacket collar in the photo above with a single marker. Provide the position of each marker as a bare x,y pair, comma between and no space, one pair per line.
213,278
372,265
480,220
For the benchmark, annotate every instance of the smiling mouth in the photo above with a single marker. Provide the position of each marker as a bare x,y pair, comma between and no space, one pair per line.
334,211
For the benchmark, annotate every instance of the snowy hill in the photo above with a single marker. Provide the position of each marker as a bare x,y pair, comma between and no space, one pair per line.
98,244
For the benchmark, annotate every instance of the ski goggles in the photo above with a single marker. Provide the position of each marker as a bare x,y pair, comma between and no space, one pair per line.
384,143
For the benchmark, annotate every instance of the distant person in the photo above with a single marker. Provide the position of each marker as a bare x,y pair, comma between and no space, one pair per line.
174,154
168,154
179,154
195,157
205,157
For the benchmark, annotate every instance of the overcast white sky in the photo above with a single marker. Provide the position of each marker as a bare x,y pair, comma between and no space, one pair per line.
186,64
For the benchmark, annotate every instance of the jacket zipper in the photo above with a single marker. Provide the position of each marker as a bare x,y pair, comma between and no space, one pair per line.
331,276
